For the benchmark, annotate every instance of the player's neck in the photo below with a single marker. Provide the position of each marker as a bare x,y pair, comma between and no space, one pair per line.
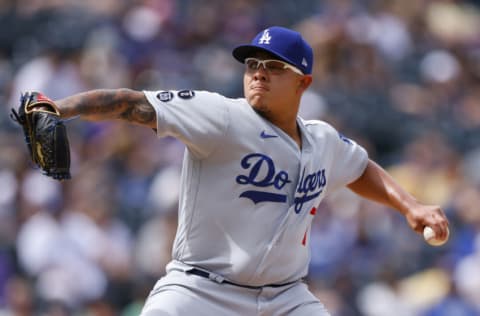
283,116
290,126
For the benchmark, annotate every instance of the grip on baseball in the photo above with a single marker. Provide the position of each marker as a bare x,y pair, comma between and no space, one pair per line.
429,236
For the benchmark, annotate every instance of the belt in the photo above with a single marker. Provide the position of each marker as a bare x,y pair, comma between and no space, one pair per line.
219,279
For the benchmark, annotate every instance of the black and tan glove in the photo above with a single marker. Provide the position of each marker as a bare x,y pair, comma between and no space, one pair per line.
45,134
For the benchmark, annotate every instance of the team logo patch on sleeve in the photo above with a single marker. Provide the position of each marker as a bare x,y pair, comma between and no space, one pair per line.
165,96
186,94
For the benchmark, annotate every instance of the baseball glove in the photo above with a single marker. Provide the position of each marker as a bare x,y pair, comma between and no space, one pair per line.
45,134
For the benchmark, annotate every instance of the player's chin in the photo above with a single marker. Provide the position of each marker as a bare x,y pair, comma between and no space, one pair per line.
260,108
257,100
256,103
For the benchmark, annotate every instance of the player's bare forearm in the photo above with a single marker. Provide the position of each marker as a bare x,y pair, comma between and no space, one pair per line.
377,185
104,104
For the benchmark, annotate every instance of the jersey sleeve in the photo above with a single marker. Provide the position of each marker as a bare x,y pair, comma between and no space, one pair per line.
197,118
350,160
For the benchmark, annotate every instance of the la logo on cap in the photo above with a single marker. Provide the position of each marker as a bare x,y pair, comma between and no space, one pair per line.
265,39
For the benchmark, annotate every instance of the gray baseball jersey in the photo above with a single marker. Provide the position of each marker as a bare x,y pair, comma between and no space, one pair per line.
248,193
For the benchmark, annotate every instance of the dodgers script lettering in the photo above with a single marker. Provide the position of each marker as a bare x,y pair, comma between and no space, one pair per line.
309,187
262,174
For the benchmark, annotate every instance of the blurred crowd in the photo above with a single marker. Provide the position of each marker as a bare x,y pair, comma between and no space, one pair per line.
400,77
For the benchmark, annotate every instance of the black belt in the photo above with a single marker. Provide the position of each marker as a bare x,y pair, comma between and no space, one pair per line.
219,279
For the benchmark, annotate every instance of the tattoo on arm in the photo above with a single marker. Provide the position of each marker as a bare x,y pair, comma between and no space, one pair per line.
139,113
125,104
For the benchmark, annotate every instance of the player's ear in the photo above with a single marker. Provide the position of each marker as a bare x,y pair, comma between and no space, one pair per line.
305,82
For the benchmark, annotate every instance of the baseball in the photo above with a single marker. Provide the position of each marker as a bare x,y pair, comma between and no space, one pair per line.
430,238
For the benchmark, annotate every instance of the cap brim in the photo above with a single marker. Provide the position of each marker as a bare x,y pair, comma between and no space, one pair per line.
242,52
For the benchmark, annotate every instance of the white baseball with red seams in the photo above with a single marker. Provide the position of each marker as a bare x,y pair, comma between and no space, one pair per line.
430,238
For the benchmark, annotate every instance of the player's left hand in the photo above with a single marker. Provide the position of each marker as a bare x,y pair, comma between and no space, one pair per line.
45,134
423,215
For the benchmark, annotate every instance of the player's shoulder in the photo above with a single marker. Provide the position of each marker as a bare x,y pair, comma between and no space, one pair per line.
318,126
219,98
215,95
321,130
189,95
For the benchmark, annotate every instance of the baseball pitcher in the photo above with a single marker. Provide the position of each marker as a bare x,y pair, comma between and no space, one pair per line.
254,173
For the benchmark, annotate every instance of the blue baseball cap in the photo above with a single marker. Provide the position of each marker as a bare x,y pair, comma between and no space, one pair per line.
285,44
